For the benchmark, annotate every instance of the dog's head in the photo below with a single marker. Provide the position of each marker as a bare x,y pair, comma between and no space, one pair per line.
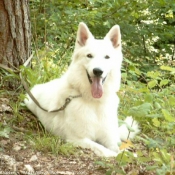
98,57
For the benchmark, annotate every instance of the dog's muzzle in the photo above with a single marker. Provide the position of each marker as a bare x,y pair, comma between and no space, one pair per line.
97,73
96,82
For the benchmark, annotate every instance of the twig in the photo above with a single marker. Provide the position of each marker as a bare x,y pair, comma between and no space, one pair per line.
19,129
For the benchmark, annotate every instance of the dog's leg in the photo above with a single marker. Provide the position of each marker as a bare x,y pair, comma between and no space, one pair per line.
97,148
110,139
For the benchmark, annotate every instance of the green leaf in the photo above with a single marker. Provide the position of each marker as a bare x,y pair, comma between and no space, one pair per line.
149,97
5,132
153,74
156,122
168,116
157,105
125,158
141,110
101,163
166,157
171,100
157,157
137,71
167,68
164,82
152,84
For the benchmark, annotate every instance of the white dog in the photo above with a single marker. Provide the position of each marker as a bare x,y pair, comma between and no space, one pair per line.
91,81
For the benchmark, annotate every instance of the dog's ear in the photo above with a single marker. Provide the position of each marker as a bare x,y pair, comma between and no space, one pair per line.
83,34
115,36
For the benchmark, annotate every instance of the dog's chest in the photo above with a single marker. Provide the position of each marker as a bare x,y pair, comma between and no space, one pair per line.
83,113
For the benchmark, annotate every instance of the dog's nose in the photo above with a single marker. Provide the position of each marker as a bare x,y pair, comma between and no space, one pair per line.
97,72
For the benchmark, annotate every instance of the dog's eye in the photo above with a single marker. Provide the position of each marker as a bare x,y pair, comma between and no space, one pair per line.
107,57
89,55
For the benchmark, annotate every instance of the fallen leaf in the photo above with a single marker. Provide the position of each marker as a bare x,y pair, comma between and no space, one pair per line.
126,145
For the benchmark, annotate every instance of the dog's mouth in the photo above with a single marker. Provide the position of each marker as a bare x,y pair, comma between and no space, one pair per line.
96,85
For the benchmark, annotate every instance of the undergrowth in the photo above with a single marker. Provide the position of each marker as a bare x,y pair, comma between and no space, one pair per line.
153,149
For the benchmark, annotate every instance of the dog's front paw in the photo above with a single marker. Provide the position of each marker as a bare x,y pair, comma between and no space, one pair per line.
106,153
109,153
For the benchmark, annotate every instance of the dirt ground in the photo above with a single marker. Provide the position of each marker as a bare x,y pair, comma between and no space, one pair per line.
18,157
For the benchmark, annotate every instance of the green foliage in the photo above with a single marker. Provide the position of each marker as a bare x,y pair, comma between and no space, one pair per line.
5,131
54,26
52,144
44,70
155,112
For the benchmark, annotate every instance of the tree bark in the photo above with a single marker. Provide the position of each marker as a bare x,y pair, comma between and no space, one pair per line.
15,32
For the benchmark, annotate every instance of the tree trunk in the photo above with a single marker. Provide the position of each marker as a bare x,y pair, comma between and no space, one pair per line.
15,32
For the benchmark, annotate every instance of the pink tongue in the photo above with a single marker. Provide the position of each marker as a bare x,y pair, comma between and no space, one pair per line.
96,87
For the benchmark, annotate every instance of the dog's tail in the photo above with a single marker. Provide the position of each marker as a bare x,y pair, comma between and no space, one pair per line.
128,129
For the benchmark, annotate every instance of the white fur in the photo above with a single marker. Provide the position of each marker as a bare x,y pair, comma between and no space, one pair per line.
86,121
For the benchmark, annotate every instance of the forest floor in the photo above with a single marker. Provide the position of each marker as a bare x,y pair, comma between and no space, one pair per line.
18,155
20,158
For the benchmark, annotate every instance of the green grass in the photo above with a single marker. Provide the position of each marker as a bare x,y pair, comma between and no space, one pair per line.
48,143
